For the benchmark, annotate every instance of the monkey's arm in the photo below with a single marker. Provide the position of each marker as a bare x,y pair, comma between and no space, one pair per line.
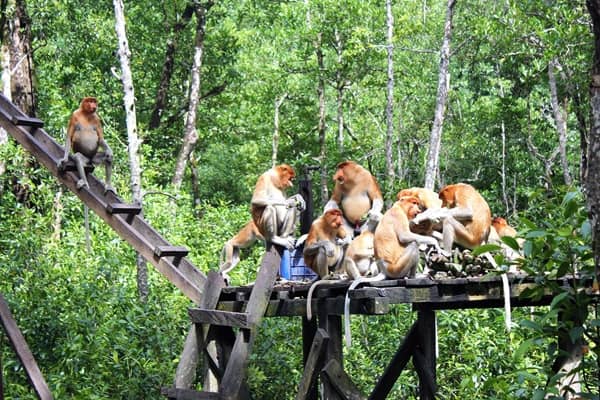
461,213
68,137
314,248
108,154
406,237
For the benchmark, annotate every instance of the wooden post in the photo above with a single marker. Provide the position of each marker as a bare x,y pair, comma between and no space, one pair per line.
424,356
332,324
1,375
309,330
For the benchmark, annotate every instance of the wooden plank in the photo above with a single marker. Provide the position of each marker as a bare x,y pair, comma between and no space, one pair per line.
396,366
19,345
168,251
313,365
221,318
123,208
188,394
27,121
235,373
424,356
342,383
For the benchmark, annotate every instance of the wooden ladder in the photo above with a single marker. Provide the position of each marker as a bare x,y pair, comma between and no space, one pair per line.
235,347
125,219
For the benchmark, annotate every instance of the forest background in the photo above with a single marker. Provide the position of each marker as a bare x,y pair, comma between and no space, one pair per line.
218,92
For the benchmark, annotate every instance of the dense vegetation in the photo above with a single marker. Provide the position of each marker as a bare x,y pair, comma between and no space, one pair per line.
79,311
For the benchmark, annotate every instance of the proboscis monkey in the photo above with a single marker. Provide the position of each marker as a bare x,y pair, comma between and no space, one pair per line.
230,255
324,245
85,136
499,229
428,200
396,248
274,215
357,194
465,215
358,261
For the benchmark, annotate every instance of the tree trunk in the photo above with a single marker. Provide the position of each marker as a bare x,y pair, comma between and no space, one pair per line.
432,165
133,141
21,60
389,109
593,171
560,118
191,134
278,103
340,85
5,60
322,127
167,71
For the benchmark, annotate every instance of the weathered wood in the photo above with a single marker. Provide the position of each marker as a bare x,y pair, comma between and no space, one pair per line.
188,394
313,365
332,324
235,372
424,356
396,366
309,330
168,251
19,345
222,318
27,121
123,208
341,382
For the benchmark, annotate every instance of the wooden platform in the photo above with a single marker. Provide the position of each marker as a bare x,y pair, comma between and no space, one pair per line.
289,298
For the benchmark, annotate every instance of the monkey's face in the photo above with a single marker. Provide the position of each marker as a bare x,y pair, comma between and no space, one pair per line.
333,218
286,176
411,207
499,223
89,105
339,176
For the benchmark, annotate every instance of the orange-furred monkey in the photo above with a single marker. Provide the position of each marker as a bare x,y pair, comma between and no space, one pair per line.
428,200
274,215
357,194
465,215
396,248
85,136
499,229
323,248
230,255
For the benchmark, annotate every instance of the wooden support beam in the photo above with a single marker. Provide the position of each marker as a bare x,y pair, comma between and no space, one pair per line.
221,318
424,356
313,365
396,366
236,370
309,331
19,345
341,382
20,120
332,324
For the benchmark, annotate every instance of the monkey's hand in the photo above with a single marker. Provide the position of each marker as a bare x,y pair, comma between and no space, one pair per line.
296,201
344,242
374,216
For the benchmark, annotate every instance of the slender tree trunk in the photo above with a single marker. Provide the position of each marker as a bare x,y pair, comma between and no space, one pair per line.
21,60
593,170
5,60
322,128
503,135
432,166
560,118
389,109
167,71
340,84
133,141
278,103
191,134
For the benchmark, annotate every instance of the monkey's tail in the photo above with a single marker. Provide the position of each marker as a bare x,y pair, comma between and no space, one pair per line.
347,334
505,293
309,298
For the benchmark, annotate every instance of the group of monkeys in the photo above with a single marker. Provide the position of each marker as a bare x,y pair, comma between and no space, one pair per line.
353,238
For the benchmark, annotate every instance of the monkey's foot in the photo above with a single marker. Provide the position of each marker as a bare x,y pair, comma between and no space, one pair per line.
82,183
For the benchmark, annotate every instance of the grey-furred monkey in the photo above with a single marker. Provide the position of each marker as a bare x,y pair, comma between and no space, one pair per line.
85,136
357,194
274,215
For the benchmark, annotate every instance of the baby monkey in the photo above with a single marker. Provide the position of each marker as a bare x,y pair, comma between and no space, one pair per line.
85,136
